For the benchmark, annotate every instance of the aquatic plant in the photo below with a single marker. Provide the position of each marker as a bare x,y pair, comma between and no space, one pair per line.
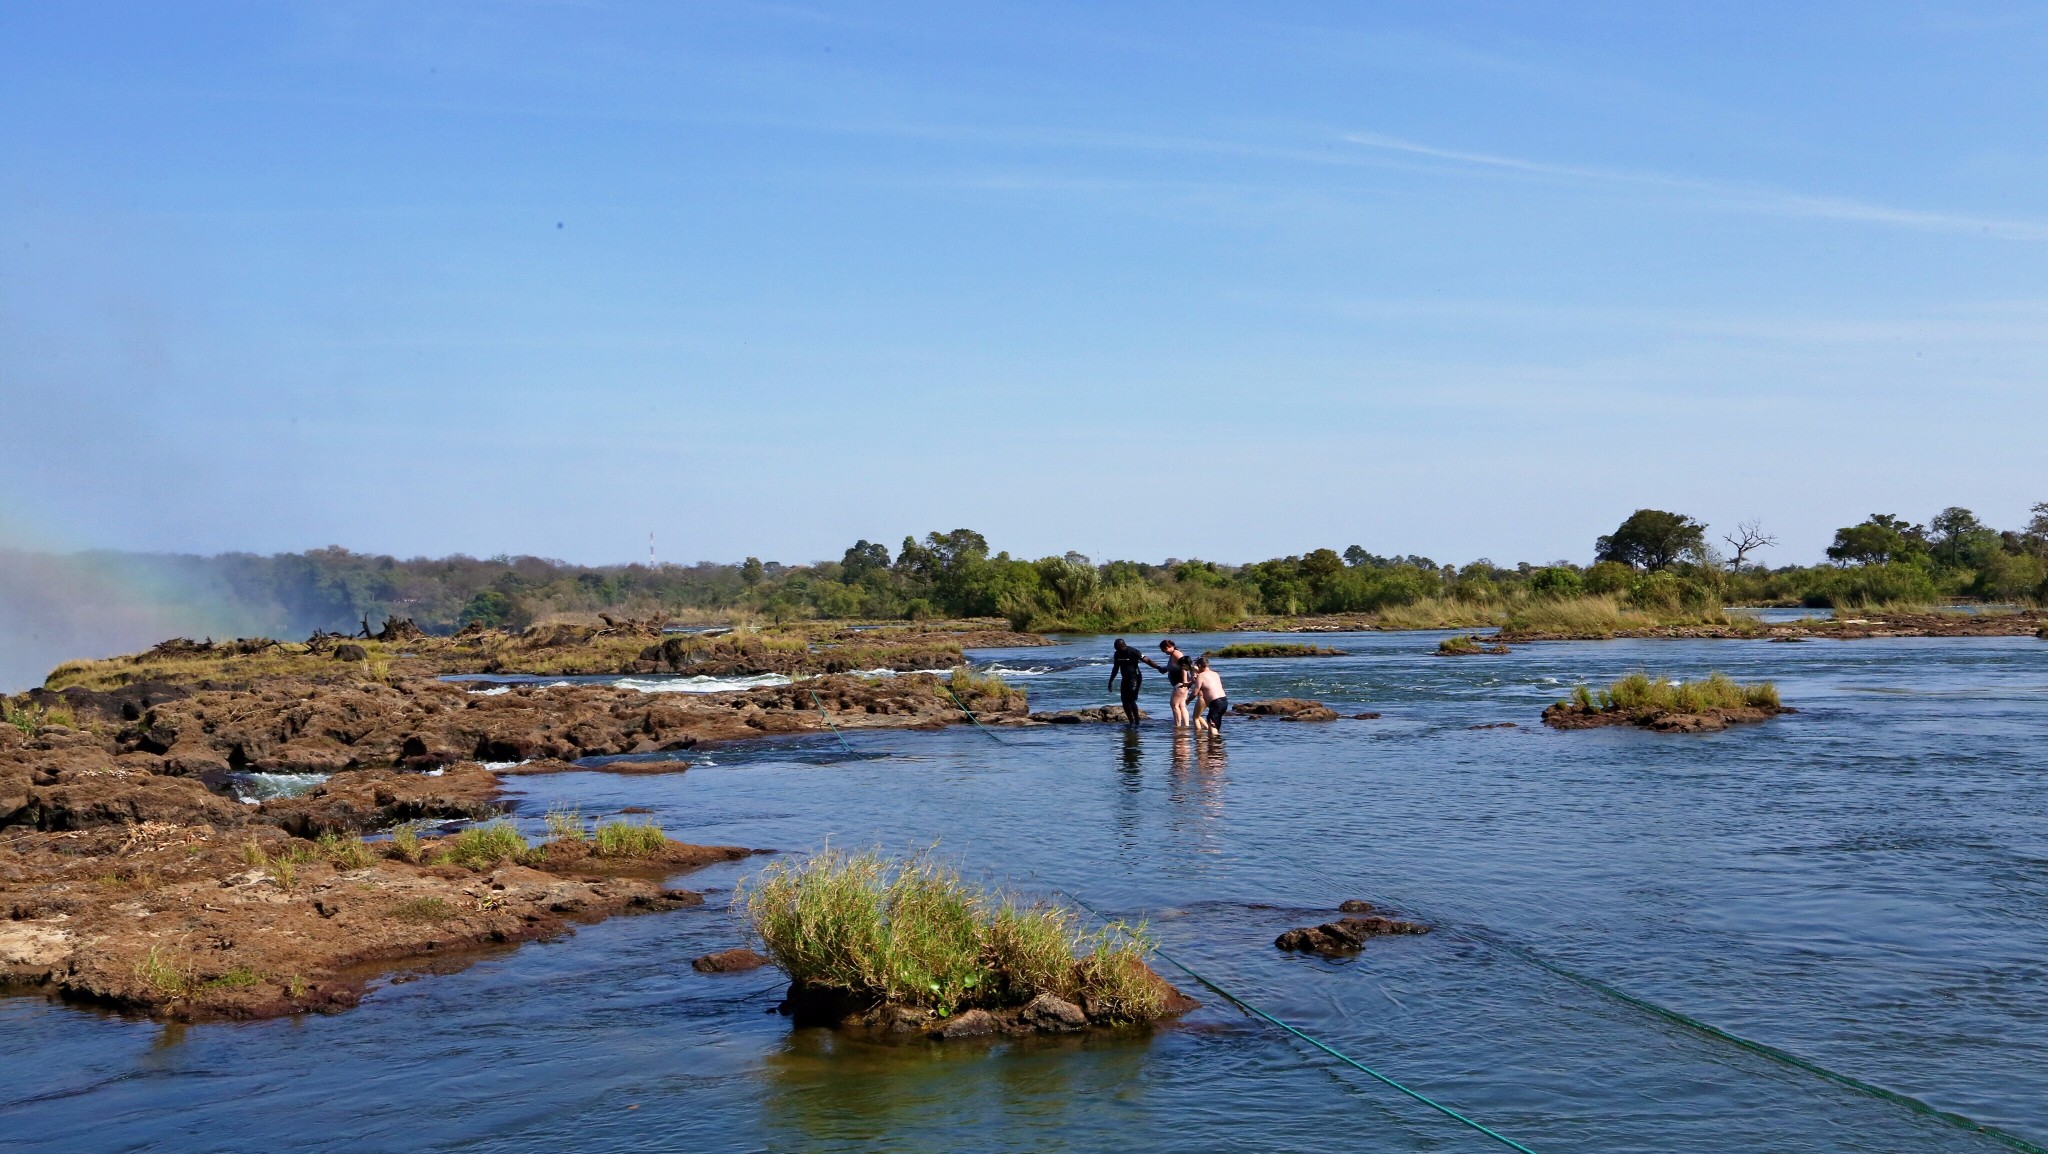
913,933
628,839
482,846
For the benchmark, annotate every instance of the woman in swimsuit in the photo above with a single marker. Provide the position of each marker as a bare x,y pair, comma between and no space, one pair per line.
1181,675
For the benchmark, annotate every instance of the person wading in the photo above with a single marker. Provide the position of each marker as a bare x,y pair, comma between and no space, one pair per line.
1180,673
1209,688
1123,664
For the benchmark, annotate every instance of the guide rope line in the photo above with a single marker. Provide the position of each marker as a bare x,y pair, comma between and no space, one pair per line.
1766,1050
1347,1059
1762,1049
970,715
827,715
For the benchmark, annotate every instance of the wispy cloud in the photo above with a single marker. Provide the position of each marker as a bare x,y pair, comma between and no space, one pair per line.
1720,194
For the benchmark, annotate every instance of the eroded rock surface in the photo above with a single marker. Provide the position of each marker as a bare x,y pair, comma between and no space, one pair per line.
1345,935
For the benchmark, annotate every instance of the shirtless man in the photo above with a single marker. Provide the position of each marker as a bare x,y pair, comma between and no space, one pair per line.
1209,688
1180,674
1123,663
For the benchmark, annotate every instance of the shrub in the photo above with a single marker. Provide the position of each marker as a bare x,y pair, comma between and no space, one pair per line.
1608,578
628,839
1556,581
482,846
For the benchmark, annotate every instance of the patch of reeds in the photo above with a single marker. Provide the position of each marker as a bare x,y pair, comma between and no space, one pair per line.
482,846
913,933
1640,693
1461,644
628,839
1273,649
966,683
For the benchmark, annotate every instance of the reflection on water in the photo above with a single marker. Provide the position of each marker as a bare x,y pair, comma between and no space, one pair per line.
1861,883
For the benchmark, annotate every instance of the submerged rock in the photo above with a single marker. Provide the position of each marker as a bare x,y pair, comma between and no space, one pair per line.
733,961
1345,935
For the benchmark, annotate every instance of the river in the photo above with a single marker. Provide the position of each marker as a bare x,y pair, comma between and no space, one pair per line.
1863,884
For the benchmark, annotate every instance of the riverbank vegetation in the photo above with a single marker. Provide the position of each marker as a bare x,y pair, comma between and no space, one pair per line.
1656,567
1273,649
913,934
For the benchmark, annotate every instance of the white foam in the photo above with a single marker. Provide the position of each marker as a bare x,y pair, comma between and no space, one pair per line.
1007,671
256,788
700,684
495,766
493,691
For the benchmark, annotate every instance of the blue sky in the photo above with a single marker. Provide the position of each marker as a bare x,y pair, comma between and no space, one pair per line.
1140,280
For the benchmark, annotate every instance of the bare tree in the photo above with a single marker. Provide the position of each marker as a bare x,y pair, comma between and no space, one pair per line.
1749,537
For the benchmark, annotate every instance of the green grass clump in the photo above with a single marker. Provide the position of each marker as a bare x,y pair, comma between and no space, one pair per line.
423,910
629,839
405,842
912,933
482,846
346,852
1640,693
1274,649
163,975
235,979
1461,644
966,683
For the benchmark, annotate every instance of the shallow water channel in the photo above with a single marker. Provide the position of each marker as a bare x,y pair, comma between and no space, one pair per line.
1863,884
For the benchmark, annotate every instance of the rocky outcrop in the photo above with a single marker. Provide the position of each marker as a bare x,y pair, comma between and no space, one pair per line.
1045,1013
1567,715
733,961
1286,709
1090,715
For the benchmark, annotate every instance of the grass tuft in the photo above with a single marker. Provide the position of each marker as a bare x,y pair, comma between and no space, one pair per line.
1640,693
429,909
912,933
163,976
347,852
628,839
405,842
482,846
566,825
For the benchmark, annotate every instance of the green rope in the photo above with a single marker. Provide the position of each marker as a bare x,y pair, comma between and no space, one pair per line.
970,715
826,714
1768,1051
1317,1043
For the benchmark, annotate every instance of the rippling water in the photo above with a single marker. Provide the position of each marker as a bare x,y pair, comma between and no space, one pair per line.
1864,884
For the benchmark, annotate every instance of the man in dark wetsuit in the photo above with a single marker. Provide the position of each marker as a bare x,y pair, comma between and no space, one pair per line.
1123,663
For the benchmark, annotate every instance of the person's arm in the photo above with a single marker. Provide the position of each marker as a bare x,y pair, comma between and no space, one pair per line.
1154,664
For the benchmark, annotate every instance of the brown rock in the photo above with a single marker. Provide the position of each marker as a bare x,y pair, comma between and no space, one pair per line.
1286,709
731,961
972,1024
1052,1014
1345,935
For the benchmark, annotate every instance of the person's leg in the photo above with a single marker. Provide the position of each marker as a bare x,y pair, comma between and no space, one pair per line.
1216,710
1180,707
1130,703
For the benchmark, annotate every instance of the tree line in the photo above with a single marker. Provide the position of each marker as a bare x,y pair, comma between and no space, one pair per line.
1655,560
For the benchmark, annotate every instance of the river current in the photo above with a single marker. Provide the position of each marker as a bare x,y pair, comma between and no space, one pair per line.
1863,884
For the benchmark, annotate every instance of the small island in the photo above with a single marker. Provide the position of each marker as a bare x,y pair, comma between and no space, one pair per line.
1711,703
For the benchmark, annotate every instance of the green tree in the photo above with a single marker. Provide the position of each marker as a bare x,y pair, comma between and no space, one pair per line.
863,558
1653,539
751,571
1959,540
1880,539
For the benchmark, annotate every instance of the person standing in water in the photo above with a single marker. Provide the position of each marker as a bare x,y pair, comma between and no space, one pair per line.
1209,688
1180,674
1123,664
